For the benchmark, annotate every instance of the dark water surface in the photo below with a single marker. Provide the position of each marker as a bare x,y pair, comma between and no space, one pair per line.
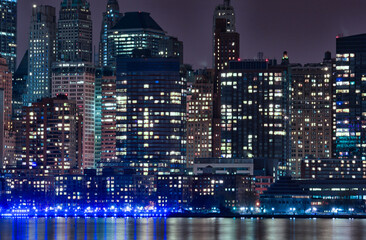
181,228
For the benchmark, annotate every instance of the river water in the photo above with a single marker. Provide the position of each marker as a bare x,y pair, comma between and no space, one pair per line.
181,228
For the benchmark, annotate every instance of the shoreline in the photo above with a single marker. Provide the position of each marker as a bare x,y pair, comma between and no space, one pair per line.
180,215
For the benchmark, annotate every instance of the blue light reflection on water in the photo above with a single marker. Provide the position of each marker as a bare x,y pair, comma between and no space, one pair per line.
180,228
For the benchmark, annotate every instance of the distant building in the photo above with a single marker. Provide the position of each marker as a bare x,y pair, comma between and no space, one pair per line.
223,11
42,42
151,112
311,113
255,110
200,114
76,81
75,33
138,30
110,17
8,36
350,103
20,87
51,136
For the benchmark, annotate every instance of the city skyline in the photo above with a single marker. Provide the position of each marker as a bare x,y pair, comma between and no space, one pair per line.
281,26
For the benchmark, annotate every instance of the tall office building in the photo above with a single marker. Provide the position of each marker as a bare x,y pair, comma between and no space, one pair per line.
151,113
105,116
226,49
20,86
75,33
2,128
138,30
50,137
255,110
223,11
350,102
76,81
8,29
311,113
8,140
110,17
42,41
200,113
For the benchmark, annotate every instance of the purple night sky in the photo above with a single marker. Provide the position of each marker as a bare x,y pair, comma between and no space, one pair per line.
306,29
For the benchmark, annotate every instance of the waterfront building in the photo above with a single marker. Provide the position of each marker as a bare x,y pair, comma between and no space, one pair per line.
110,17
151,112
51,139
200,114
41,55
76,80
8,29
311,112
350,103
74,36
138,30
318,168
255,110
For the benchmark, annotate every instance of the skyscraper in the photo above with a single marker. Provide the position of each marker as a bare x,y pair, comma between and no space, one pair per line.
75,34
50,137
110,17
255,110
200,113
151,113
20,86
223,11
226,50
7,126
138,30
76,80
8,29
311,113
42,41
350,102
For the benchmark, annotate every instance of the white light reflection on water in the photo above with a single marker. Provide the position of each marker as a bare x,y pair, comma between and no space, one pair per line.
180,228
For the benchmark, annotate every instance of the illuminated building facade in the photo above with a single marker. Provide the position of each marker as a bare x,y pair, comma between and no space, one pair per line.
110,17
311,113
200,113
318,168
50,137
255,110
138,30
76,81
226,49
350,101
41,53
8,137
223,11
8,30
105,116
74,36
151,112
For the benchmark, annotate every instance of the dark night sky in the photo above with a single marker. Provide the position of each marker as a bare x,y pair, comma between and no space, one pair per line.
306,29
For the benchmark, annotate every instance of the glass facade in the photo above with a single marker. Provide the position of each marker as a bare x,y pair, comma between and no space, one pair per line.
255,110
151,112
110,18
8,32
41,53
75,33
350,99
